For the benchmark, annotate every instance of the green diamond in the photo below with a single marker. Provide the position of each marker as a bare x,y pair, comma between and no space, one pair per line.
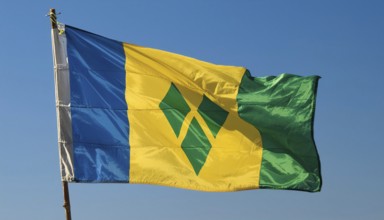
196,146
175,108
213,115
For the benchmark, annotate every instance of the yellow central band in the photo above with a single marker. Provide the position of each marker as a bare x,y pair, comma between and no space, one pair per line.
234,161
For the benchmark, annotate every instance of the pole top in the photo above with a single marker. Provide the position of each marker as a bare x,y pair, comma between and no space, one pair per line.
52,16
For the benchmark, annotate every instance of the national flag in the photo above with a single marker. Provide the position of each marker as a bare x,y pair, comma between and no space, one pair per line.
133,114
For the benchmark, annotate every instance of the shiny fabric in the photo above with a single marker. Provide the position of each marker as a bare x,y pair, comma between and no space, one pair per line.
100,127
147,116
63,110
282,108
198,142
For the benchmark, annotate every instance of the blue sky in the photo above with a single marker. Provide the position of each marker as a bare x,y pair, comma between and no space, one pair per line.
342,41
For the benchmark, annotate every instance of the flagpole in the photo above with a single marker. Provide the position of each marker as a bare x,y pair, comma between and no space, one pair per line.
52,16
67,204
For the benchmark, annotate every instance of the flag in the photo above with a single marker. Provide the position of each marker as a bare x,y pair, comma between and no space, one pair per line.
132,114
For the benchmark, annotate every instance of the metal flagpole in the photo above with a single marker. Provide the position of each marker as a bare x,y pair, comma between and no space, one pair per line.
52,16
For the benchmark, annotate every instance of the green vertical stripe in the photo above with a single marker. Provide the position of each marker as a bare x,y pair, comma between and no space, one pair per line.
282,109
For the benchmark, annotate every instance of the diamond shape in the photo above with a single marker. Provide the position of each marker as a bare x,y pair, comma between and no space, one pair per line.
175,108
196,146
213,115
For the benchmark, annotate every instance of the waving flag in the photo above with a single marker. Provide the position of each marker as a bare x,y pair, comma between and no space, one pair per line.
133,114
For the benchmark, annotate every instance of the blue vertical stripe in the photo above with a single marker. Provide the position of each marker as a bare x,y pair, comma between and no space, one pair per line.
98,107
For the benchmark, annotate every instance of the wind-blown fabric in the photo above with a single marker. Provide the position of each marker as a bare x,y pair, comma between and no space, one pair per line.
133,114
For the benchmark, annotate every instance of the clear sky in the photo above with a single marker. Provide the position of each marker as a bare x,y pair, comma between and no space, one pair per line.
342,41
